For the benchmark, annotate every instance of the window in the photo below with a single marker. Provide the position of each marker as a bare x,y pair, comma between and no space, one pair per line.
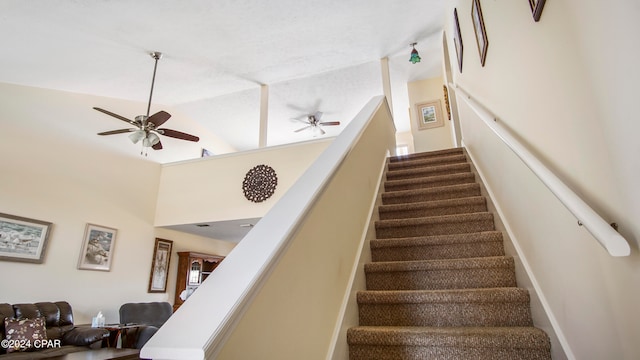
402,150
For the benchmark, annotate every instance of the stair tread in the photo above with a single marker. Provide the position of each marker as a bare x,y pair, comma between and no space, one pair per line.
436,153
476,336
480,216
427,161
465,177
436,169
432,193
449,296
472,200
441,264
482,236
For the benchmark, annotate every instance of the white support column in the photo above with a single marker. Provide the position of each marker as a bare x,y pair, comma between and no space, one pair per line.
386,81
264,113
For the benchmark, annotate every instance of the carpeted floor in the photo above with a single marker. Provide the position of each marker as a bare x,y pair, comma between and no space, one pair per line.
440,285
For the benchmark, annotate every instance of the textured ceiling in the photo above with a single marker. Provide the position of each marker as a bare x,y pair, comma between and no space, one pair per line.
313,55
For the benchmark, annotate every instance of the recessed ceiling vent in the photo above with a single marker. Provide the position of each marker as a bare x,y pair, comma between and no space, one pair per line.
203,225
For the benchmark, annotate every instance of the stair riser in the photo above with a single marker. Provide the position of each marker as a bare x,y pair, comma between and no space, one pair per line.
435,211
428,171
441,279
457,314
391,186
404,198
433,229
426,162
431,252
405,352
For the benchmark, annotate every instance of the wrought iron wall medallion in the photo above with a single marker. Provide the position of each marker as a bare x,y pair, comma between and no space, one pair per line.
259,183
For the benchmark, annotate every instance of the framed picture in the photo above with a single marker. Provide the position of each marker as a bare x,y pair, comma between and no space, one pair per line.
97,248
457,38
429,115
23,239
160,266
536,8
478,27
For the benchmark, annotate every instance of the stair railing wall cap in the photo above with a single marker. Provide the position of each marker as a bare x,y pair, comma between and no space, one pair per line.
600,229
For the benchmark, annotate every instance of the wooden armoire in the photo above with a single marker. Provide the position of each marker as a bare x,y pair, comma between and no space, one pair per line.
193,269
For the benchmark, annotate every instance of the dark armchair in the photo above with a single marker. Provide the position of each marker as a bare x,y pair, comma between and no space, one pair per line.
150,316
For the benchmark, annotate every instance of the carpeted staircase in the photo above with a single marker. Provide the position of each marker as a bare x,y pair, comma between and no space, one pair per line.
440,285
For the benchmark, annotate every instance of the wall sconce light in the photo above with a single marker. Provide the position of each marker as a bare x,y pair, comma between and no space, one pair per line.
415,57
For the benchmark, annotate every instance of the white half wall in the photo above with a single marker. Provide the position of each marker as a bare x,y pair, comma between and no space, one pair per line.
210,189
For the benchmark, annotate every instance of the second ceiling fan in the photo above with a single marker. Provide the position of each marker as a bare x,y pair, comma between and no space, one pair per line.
147,128
313,122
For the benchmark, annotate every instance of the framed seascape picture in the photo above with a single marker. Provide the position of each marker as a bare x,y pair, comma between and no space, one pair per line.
97,248
536,8
23,239
160,266
457,38
429,115
479,29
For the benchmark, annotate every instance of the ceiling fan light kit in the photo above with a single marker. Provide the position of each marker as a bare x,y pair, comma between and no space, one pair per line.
147,127
313,122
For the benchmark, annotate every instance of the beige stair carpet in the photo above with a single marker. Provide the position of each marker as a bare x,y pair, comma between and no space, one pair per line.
439,285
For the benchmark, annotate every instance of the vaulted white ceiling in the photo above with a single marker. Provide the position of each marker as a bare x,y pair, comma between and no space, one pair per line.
314,55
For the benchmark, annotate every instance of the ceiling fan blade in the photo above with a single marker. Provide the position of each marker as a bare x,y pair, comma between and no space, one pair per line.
296,108
117,116
178,135
113,132
330,123
304,128
159,118
322,131
318,115
302,118
157,146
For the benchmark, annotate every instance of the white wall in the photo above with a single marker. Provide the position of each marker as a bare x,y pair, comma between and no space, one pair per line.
210,189
68,182
566,87
436,138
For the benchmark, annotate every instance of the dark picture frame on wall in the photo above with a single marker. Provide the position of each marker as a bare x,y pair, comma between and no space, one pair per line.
23,239
479,29
457,38
536,8
160,266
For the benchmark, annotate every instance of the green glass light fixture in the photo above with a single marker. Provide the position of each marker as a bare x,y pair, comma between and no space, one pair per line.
415,57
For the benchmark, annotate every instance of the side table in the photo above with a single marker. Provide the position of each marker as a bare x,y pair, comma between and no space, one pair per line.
118,332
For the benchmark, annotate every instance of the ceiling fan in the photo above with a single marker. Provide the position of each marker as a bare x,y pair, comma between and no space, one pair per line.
313,122
147,127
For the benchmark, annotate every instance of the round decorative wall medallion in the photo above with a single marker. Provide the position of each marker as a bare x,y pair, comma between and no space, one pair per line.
259,183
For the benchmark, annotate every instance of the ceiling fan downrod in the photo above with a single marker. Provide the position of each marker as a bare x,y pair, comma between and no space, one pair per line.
157,56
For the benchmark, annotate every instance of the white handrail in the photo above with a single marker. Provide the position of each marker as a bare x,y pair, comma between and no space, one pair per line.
606,235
